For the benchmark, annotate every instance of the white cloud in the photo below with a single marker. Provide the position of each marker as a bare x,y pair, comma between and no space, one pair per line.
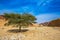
46,17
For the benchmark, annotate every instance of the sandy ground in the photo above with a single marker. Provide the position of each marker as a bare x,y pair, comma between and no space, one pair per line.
34,33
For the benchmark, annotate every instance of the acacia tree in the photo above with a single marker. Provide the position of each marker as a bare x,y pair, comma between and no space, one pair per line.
19,20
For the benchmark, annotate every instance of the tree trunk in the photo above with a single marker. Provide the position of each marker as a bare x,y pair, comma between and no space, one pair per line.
19,28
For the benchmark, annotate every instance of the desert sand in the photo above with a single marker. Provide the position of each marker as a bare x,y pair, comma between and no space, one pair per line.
33,33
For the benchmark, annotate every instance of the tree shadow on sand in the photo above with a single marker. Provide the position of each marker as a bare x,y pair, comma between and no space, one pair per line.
17,30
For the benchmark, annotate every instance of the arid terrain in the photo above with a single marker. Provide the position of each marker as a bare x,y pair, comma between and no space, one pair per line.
33,33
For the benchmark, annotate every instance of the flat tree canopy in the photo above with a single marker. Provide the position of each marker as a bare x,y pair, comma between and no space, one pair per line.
19,20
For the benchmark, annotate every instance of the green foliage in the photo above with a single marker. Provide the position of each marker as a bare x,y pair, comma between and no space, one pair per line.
19,20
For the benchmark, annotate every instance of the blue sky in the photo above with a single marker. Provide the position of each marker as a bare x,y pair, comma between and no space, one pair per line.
44,10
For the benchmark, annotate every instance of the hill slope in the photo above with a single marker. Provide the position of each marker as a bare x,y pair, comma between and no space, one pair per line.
54,23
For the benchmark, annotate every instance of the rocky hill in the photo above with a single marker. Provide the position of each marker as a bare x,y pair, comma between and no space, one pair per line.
52,23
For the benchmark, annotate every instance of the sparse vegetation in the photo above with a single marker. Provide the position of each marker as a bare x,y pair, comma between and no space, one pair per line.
34,33
19,20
